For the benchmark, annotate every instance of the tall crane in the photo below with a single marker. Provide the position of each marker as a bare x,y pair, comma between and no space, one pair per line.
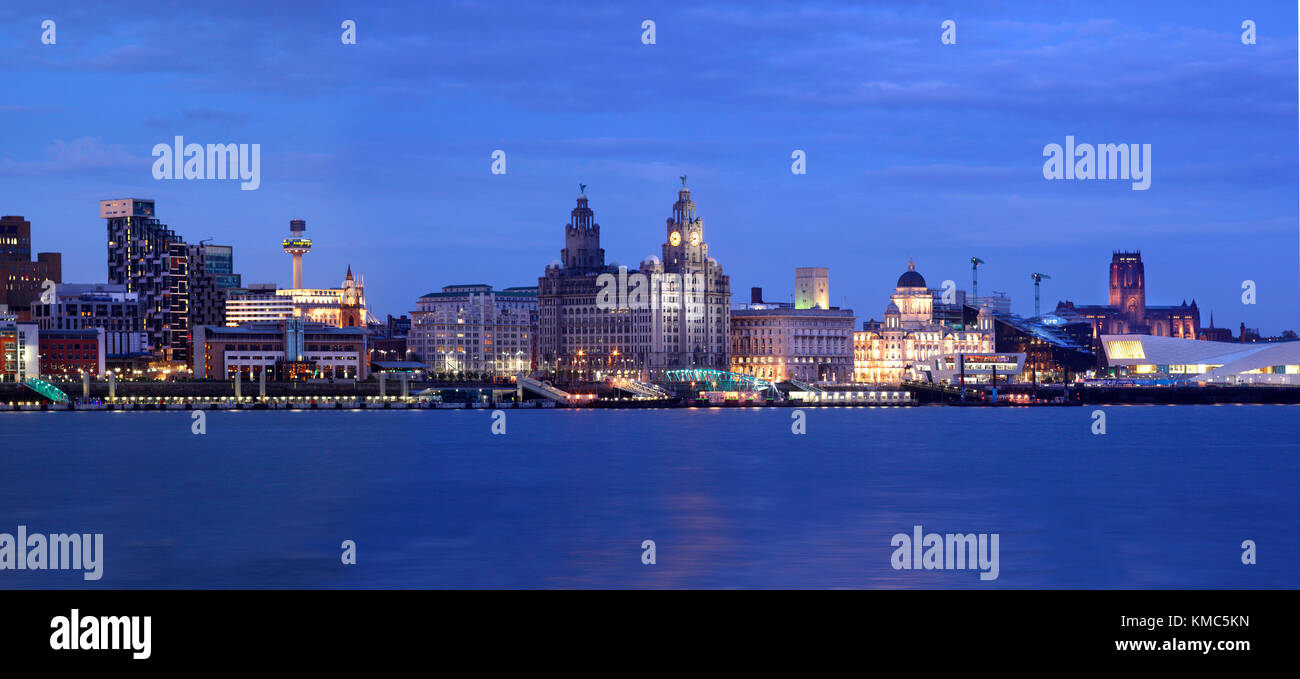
975,263
1038,278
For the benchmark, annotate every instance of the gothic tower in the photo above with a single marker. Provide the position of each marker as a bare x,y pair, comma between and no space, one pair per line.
1128,291
352,303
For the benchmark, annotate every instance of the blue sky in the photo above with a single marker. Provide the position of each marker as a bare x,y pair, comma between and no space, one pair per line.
914,148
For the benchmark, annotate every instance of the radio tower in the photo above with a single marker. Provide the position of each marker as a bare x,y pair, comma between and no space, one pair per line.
297,246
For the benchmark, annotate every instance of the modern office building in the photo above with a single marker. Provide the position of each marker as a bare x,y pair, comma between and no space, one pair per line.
475,329
105,306
288,349
1127,311
1056,349
779,342
219,262
910,337
1201,361
20,278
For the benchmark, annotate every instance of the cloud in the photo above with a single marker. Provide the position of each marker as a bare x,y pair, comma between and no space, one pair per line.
82,154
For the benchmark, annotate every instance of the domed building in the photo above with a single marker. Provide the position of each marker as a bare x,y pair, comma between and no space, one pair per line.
909,338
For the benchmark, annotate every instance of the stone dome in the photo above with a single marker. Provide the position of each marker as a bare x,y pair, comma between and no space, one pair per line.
910,278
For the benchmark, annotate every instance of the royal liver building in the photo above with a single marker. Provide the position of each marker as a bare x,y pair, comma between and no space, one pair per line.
598,320
691,328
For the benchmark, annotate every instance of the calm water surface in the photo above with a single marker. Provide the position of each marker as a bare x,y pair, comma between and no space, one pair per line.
731,497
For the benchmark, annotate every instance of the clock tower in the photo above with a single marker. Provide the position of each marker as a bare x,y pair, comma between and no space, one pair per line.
685,244
691,321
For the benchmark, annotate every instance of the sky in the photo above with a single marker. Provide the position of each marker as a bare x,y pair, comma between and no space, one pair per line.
914,148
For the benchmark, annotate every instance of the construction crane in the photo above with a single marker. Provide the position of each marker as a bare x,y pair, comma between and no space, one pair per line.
975,263
1038,278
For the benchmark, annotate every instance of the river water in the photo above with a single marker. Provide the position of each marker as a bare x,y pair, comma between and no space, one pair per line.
729,497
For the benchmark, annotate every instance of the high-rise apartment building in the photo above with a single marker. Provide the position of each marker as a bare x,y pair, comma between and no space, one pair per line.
150,260
177,288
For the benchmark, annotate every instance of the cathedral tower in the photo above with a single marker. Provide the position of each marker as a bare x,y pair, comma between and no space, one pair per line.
1128,283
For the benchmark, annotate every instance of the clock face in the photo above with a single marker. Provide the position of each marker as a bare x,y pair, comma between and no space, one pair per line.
675,238
695,238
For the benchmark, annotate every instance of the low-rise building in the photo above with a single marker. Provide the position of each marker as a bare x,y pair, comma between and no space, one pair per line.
19,350
778,341
291,349
342,307
72,352
1202,361
105,306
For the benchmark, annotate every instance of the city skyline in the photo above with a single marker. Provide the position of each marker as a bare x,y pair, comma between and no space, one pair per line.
912,151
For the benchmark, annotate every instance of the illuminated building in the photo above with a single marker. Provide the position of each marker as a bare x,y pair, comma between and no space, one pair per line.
171,278
684,322
1055,349
72,352
909,337
219,260
779,342
475,329
342,307
691,326
1171,358
19,350
1127,311
812,288
289,349
106,306
21,279
575,338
